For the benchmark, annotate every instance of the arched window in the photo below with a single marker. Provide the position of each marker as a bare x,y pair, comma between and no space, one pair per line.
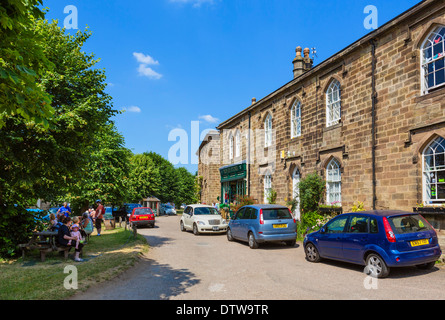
230,146
267,186
268,131
237,143
333,183
333,103
434,172
433,60
295,118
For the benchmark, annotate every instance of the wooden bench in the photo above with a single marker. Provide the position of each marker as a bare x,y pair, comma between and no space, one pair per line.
44,246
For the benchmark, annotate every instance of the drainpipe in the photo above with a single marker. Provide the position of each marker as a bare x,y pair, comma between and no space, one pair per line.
373,116
248,155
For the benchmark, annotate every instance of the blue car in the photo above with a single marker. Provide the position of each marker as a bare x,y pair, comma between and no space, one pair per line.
263,223
378,240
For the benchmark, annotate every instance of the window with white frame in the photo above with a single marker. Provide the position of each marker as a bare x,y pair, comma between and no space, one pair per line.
230,146
333,103
237,143
268,131
296,119
434,172
433,60
267,186
333,183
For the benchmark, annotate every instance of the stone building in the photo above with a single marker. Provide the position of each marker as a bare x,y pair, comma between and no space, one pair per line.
370,120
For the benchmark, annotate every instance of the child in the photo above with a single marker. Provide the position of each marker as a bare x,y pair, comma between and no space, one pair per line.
76,233
53,222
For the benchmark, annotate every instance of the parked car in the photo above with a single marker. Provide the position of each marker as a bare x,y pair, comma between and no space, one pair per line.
378,240
142,217
169,210
202,219
263,223
125,210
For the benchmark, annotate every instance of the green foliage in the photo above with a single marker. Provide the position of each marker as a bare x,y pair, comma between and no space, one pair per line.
311,192
272,197
358,206
16,225
23,63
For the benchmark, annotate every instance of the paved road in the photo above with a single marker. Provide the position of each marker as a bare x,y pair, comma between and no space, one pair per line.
180,265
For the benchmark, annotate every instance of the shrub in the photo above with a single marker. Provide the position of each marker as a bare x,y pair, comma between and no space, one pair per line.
311,192
16,226
272,197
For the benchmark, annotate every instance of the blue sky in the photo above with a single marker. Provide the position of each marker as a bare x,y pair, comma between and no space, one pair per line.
171,62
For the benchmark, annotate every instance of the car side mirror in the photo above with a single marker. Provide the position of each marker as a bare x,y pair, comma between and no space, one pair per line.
322,230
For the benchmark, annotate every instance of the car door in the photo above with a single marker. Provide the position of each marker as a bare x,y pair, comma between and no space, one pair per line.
235,223
188,217
331,238
356,238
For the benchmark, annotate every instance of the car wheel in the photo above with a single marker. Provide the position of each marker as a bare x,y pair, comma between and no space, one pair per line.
312,254
426,266
181,224
195,230
253,244
376,266
229,235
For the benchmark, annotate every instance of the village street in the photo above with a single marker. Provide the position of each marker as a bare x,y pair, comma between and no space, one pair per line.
182,266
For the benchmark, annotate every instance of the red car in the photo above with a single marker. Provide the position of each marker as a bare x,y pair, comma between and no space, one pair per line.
142,217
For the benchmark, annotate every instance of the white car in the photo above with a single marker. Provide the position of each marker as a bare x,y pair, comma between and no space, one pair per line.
201,218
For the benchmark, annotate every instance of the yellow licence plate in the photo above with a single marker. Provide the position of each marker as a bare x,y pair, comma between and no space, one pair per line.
143,218
419,242
279,226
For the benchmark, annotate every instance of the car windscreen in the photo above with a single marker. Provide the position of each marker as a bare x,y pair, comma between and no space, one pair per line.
205,210
409,224
278,213
168,207
139,212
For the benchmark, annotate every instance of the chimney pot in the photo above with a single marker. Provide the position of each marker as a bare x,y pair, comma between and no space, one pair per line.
253,100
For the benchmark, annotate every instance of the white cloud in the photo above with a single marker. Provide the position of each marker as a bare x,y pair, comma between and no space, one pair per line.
144,69
209,118
134,109
195,3
145,59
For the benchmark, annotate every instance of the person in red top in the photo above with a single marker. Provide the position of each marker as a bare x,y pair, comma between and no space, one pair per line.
100,211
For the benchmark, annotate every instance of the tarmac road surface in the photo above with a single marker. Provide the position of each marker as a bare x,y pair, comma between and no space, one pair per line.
180,266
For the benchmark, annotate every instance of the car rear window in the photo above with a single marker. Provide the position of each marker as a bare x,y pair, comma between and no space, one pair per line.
409,224
274,214
139,212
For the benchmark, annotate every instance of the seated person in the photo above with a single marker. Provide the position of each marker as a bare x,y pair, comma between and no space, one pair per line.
64,238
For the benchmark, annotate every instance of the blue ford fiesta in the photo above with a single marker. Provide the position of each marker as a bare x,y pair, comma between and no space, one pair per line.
378,240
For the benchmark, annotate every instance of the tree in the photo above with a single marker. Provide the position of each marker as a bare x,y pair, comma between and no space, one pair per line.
107,173
169,188
186,187
23,63
144,178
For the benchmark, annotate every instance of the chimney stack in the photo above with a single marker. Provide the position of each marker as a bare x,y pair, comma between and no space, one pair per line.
253,101
302,64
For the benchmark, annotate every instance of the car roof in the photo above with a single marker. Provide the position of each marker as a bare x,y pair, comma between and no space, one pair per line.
266,206
383,213
200,206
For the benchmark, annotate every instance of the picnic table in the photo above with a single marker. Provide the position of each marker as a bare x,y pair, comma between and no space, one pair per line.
45,242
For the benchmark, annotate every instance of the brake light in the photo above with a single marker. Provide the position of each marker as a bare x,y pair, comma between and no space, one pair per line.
388,230
261,217
295,221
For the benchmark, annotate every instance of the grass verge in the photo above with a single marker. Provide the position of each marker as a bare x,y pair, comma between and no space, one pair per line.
104,258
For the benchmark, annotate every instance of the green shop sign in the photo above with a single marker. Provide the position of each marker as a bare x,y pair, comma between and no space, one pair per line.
234,172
